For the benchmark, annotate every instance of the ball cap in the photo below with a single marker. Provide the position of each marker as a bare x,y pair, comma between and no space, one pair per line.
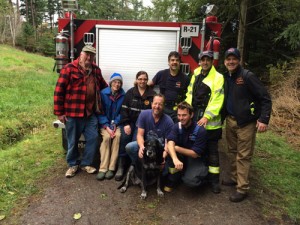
233,51
209,54
89,48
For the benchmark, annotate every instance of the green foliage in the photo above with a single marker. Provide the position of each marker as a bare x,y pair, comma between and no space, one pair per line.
278,167
26,39
291,36
34,11
45,44
277,73
45,40
111,10
266,20
3,7
272,28
163,10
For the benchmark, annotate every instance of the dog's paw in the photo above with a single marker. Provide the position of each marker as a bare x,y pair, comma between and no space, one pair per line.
144,195
160,193
123,189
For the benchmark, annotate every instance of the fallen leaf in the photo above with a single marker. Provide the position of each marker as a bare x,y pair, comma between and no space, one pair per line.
11,193
103,195
77,216
151,206
2,217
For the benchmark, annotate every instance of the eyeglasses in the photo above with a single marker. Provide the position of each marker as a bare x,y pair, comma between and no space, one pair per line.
142,79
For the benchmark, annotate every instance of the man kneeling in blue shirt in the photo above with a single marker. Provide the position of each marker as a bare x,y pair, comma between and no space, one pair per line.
186,146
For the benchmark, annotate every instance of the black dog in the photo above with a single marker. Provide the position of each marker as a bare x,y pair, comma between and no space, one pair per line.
147,170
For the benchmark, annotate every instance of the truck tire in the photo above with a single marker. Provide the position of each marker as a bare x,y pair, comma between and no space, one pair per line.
64,140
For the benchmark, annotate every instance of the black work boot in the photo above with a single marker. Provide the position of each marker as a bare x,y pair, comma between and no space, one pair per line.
237,197
215,188
214,183
121,169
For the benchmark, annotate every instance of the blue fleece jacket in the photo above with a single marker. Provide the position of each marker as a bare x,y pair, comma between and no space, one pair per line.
111,106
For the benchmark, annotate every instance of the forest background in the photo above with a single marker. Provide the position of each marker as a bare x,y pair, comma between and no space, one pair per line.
266,32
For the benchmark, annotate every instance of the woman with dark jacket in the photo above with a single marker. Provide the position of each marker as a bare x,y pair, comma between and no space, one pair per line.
137,98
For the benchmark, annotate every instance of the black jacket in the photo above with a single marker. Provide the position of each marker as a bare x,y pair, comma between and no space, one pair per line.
134,103
175,91
250,100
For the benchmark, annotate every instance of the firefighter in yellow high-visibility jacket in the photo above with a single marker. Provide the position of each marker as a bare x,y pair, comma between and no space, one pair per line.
206,95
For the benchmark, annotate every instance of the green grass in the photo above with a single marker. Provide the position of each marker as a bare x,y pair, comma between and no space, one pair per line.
23,164
29,145
277,170
27,84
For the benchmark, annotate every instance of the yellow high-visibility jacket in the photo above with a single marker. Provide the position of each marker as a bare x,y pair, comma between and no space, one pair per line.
215,81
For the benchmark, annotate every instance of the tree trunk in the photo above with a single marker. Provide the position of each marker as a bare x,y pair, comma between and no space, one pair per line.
33,17
12,17
12,26
27,13
18,12
32,13
242,28
4,30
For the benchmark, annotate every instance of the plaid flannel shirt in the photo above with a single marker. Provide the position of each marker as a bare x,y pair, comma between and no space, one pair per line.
70,90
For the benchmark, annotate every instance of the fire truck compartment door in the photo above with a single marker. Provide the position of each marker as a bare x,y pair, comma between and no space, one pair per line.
129,49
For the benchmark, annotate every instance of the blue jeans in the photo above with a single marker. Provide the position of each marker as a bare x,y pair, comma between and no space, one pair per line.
125,139
132,149
88,126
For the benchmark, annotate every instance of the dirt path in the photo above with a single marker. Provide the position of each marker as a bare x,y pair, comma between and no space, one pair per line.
101,203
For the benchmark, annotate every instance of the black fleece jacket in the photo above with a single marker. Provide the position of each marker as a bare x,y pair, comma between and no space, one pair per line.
246,98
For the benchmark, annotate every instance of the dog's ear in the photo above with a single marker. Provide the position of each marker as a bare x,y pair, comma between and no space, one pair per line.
146,143
159,146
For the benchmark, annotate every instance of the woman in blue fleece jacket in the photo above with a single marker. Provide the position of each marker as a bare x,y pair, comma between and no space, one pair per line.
112,98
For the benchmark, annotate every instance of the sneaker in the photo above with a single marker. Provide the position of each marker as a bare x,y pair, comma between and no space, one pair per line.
89,169
71,171
110,174
238,197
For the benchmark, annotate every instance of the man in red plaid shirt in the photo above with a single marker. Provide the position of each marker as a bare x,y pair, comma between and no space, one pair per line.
76,101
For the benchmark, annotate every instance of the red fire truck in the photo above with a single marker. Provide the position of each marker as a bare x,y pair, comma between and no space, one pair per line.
127,47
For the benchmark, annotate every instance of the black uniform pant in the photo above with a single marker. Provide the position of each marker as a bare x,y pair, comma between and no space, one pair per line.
212,153
193,174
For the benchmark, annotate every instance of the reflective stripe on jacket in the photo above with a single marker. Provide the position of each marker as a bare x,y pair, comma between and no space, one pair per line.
215,81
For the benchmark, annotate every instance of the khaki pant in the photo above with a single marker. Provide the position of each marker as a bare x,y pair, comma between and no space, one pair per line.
109,150
240,141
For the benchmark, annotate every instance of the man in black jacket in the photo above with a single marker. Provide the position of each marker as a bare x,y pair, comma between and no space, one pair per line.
248,109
